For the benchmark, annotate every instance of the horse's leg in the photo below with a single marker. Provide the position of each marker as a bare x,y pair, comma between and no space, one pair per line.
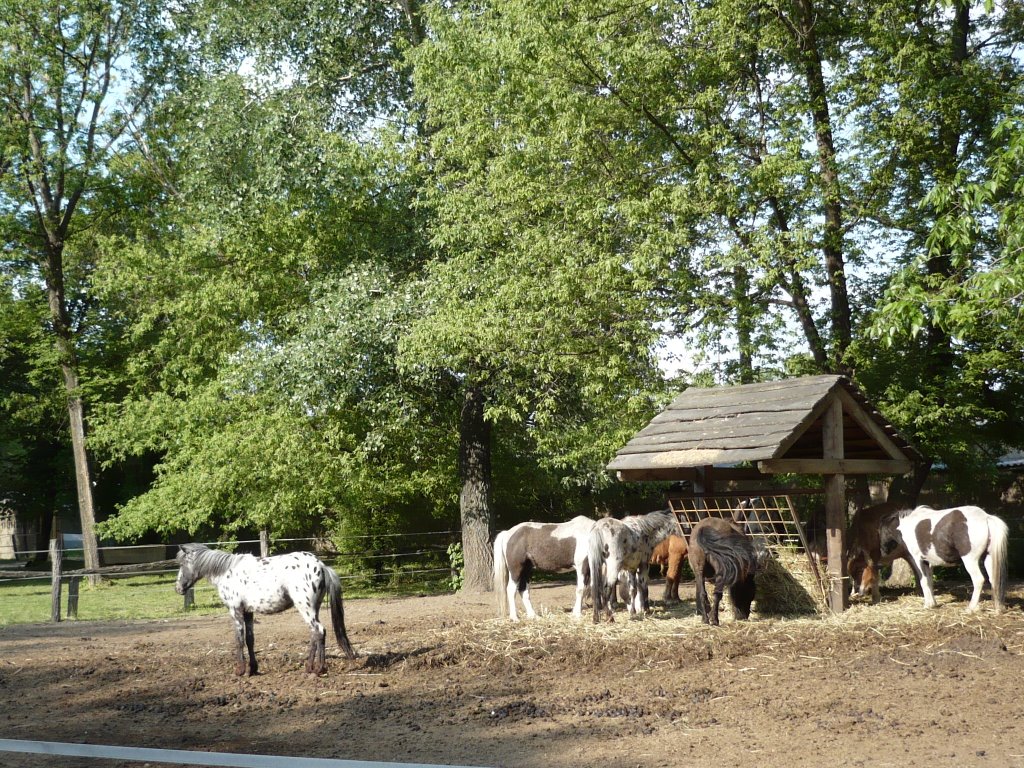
927,583
990,566
675,565
719,589
510,592
634,596
977,579
609,585
643,587
702,599
240,640
874,576
581,587
527,605
523,587
316,659
250,643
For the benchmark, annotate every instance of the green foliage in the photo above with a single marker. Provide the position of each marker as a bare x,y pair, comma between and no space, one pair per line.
295,263
458,563
968,418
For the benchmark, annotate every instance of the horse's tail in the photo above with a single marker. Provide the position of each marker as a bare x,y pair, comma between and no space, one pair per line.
501,573
337,611
733,557
998,536
595,561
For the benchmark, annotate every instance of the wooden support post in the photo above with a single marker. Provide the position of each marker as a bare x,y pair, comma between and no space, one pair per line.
73,584
55,570
264,543
835,510
703,485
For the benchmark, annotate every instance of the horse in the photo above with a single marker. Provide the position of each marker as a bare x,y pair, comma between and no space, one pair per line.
721,550
248,585
539,546
943,536
754,519
669,553
625,545
864,556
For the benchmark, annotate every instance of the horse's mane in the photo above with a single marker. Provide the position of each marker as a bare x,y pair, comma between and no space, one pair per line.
904,512
649,523
208,562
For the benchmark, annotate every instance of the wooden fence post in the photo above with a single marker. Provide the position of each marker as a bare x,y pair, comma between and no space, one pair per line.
55,570
264,543
73,584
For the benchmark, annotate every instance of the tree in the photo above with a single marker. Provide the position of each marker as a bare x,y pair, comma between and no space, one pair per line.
261,208
75,77
933,84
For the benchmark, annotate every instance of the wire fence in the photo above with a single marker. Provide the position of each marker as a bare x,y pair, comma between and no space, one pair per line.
394,563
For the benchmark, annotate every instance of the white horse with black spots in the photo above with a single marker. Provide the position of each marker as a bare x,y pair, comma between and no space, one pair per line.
249,585
625,545
529,546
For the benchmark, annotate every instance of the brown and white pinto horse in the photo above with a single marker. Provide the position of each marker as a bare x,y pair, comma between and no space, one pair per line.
669,554
944,536
720,550
530,546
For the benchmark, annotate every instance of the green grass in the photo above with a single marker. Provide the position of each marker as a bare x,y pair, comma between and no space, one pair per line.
131,597
153,597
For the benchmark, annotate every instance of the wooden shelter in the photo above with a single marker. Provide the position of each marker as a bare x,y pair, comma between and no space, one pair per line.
815,425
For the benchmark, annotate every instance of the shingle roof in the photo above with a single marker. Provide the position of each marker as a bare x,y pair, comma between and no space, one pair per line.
727,425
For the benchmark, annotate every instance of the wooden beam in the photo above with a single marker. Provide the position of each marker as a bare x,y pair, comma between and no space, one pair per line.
704,483
835,466
835,509
868,424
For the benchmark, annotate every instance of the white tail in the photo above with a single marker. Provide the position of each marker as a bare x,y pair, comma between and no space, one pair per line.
998,536
501,573
595,559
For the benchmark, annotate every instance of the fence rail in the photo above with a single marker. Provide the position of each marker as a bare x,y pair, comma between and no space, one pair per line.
418,561
190,757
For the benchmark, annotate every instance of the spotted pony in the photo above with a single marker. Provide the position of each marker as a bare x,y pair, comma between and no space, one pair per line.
249,585
625,545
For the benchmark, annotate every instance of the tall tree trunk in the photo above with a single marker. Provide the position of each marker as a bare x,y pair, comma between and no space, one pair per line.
475,497
68,359
744,324
832,202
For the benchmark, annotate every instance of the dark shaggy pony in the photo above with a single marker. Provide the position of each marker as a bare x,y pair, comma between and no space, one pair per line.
721,551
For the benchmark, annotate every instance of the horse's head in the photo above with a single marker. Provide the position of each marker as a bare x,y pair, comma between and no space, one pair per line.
188,574
889,537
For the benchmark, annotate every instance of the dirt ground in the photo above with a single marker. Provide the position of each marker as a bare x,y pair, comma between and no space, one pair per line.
442,680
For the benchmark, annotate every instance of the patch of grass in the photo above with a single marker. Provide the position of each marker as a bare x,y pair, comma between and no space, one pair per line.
152,596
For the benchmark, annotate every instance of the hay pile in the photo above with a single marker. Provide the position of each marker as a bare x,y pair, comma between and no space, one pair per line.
786,586
670,639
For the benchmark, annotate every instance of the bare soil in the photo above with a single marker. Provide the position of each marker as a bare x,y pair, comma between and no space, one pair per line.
442,680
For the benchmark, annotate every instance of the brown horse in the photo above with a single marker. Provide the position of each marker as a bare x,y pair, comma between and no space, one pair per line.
720,550
864,556
669,554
